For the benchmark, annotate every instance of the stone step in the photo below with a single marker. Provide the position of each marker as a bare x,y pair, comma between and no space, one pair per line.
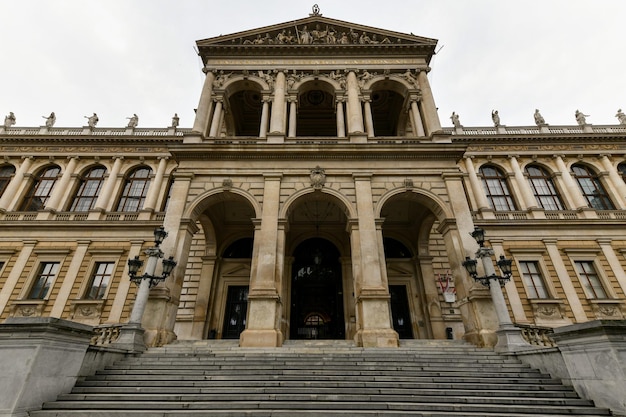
285,413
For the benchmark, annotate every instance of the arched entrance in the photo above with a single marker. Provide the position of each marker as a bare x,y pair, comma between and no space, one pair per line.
316,292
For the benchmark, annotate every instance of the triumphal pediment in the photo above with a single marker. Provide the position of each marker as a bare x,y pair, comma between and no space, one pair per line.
320,34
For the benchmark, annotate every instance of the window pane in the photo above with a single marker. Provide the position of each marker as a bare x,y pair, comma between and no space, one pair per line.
6,174
533,280
592,188
40,191
45,277
135,190
89,189
99,280
543,188
590,280
497,189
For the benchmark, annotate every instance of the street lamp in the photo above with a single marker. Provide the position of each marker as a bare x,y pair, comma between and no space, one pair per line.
509,337
131,337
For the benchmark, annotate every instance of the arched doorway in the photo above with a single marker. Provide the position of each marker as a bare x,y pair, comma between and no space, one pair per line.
316,292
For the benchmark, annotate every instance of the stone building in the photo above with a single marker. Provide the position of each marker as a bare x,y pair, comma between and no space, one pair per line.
316,196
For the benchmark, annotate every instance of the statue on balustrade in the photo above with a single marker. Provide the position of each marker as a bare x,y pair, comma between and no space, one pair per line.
621,117
9,120
133,120
539,120
175,120
50,120
581,118
495,117
455,120
92,120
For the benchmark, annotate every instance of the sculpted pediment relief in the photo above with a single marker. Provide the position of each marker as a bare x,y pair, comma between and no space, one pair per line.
316,31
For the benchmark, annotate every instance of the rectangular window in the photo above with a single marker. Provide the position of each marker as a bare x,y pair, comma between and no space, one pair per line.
533,280
45,278
99,281
590,280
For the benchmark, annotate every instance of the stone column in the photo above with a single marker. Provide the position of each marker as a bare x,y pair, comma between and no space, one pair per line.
277,119
477,188
616,266
62,185
265,111
217,118
515,301
527,195
341,121
73,272
263,297
372,294
104,203
616,179
200,124
355,114
369,122
155,185
16,272
431,296
565,279
429,109
417,118
11,191
293,117
121,295
571,190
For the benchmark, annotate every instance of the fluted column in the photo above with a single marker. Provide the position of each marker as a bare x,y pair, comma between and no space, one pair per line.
417,118
293,117
155,185
429,109
262,328
369,121
17,180
616,179
522,183
277,119
571,189
341,120
355,115
62,185
265,112
104,203
477,189
200,124
217,118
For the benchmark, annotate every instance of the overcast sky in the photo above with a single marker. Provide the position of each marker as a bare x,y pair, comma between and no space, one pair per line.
119,57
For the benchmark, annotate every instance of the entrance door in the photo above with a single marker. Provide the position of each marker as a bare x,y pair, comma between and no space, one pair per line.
316,292
236,310
400,312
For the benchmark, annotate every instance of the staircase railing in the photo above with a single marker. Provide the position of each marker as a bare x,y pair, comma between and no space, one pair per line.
537,335
105,334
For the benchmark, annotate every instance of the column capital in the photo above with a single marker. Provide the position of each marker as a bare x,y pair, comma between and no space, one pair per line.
161,158
513,156
604,241
550,241
272,176
362,176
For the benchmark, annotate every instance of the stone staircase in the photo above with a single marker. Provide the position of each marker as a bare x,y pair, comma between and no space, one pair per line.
421,378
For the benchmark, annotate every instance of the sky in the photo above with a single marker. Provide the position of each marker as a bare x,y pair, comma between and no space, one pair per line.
119,57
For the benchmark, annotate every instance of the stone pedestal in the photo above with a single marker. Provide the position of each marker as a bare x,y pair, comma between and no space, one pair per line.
40,359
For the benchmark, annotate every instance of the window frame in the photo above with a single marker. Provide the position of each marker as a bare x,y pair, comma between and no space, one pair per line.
36,274
88,285
593,179
126,194
6,180
34,186
548,184
541,274
585,280
83,180
505,194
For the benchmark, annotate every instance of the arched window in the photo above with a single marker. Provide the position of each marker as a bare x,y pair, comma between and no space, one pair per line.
168,195
135,190
622,170
41,189
6,174
89,189
592,188
543,188
497,189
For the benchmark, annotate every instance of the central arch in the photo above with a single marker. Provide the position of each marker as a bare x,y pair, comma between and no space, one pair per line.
317,292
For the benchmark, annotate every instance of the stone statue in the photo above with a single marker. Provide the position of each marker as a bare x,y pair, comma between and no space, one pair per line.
455,120
92,121
133,120
50,120
621,117
581,118
305,36
495,117
364,39
9,120
318,177
408,75
539,120
175,120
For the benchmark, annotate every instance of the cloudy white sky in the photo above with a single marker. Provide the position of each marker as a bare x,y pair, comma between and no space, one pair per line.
118,57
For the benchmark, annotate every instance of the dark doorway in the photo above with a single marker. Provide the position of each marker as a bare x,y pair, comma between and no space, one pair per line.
316,292
236,310
400,312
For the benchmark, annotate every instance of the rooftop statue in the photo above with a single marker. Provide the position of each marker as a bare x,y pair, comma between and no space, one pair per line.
92,121
539,120
175,120
621,117
133,120
50,120
581,118
495,117
9,120
455,120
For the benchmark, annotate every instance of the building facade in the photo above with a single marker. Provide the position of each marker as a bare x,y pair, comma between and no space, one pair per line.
316,196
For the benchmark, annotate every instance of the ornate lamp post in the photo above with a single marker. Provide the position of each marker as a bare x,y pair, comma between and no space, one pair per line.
509,337
131,336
